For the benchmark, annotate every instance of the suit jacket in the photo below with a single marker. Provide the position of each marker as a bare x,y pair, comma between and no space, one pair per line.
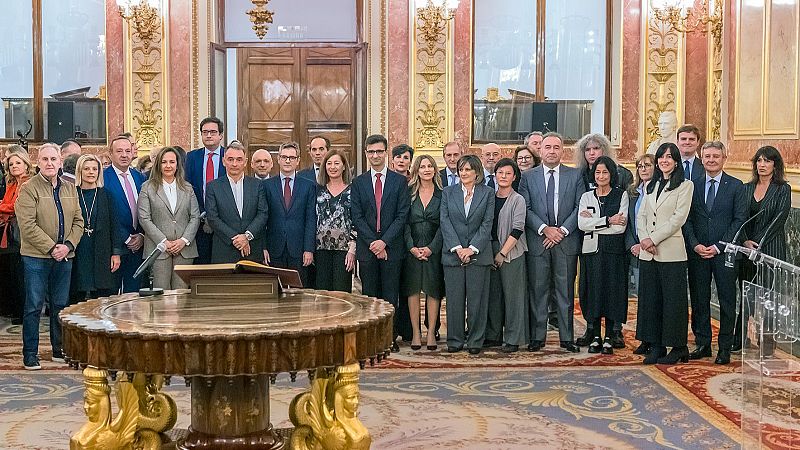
570,189
308,174
90,268
445,178
195,172
768,228
159,222
461,229
631,237
295,229
395,203
122,221
662,220
698,170
722,222
223,217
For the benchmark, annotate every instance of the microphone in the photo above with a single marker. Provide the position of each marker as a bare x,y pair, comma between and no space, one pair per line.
730,252
151,258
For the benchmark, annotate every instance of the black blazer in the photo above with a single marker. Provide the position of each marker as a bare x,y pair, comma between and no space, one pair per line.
776,205
395,203
223,217
631,237
722,222
91,269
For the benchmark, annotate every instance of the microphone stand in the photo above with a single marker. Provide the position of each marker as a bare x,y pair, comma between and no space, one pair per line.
150,290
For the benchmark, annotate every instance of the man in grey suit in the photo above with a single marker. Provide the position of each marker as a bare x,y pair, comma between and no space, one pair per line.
552,193
237,212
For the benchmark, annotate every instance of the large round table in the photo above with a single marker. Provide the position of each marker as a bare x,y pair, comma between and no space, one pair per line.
228,350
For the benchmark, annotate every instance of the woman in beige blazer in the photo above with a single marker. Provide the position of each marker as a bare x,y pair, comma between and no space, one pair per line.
168,212
663,313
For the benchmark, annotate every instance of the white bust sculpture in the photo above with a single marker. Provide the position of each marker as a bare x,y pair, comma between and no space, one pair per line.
667,127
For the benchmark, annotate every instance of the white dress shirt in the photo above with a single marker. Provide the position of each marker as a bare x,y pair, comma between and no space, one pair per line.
122,177
237,187
170,190
452,177
383,177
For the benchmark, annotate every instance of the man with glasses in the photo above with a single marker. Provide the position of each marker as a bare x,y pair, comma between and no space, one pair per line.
292,222
204,165
380,204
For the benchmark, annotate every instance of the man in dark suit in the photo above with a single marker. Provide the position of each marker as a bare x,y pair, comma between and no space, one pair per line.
292,223
719,209
451,153
689,141
552,192
123,183
236,212
317,150
379,207
204,165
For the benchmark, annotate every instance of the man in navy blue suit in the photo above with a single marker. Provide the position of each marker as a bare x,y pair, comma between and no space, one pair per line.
291,201
123,183
689,141
379,207
719,208
317,150
204,165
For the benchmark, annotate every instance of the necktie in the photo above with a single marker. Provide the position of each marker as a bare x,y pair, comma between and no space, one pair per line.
131,199
452,180
712,194
378,198
550,197
210,168
687,174
287,193
490,181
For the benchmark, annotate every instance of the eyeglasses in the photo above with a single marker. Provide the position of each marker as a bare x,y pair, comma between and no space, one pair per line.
287,158
375,152
644,166
524,158
209,132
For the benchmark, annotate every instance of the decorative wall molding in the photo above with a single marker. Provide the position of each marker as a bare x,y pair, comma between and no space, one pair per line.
715,82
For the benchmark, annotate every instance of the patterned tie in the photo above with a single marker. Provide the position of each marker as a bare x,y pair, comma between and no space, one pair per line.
210,168
712,194
452,179
550,197
287,193
378,198
687,174
131,199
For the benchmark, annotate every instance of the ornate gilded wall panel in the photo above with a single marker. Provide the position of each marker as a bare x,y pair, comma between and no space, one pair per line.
377,66
714,105
663,66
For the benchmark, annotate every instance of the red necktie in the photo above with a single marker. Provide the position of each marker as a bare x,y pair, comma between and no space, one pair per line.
378,197
287,193
210,168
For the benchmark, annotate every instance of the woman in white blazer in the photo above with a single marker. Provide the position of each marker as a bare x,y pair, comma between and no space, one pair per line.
663,314
602,218
169,213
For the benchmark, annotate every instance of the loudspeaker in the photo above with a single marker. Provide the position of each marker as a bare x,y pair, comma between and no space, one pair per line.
545,117
60,121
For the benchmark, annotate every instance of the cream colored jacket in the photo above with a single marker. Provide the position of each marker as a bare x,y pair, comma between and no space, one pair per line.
661,221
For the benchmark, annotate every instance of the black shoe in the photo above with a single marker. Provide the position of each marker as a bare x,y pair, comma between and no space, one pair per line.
474,351
737,344
16,321
595,346
32,363
655,354
617,340
415,347
642,349
702,351
608,348
436,335
509,348
552,323
586,339
676,354
58,356
535,346
723,357
491,343
454,349
395,347
433,347
570,347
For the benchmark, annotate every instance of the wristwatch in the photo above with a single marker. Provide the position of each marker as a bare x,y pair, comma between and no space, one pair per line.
248,235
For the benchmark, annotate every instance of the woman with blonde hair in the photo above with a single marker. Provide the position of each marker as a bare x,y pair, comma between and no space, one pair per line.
169,214
422,269
97,256
336,242
18,168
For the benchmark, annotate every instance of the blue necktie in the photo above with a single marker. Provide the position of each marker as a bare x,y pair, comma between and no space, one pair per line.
550,197
712,194
452,179
687,174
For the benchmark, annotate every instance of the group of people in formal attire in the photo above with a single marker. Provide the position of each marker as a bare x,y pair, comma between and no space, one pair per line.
499,238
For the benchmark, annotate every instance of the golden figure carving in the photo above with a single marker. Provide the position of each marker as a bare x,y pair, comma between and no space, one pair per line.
157,411
260,16
326,417
145,19
102,432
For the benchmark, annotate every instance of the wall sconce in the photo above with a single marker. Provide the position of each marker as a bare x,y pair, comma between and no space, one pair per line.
683,18
433,16
143,16
260,16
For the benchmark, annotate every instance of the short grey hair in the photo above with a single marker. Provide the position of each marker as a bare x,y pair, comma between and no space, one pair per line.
714,144
528,137
583,144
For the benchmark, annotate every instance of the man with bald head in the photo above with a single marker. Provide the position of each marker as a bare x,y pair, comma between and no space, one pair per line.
490,154
261,162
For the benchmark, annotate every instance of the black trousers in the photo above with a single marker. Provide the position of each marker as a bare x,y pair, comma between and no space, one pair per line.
128,265
381,279
12,285
700,274
203,242
332,275
663,314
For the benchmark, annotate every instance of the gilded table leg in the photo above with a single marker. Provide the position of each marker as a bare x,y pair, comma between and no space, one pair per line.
157,411
326,417
104,431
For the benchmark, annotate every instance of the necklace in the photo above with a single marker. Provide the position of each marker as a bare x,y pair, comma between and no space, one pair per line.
88,228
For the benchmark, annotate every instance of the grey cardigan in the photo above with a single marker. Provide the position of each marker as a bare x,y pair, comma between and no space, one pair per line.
512,216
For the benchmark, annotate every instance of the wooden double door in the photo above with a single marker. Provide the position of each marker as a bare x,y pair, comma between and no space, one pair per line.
294,94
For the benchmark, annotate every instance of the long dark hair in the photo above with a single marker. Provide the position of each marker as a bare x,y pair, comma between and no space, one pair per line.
676,177
771,153
611,166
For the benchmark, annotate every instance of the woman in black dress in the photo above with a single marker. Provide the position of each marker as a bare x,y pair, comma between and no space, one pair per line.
97,256
422,270
770,197
602,218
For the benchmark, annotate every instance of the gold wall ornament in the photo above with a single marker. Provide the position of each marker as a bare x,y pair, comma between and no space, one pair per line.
143,16
684,18
261,17
715,64
326,417
104,432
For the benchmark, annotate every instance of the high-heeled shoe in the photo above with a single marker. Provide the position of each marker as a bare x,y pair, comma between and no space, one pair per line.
676,354
656,352
642,349
415,347
433,347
